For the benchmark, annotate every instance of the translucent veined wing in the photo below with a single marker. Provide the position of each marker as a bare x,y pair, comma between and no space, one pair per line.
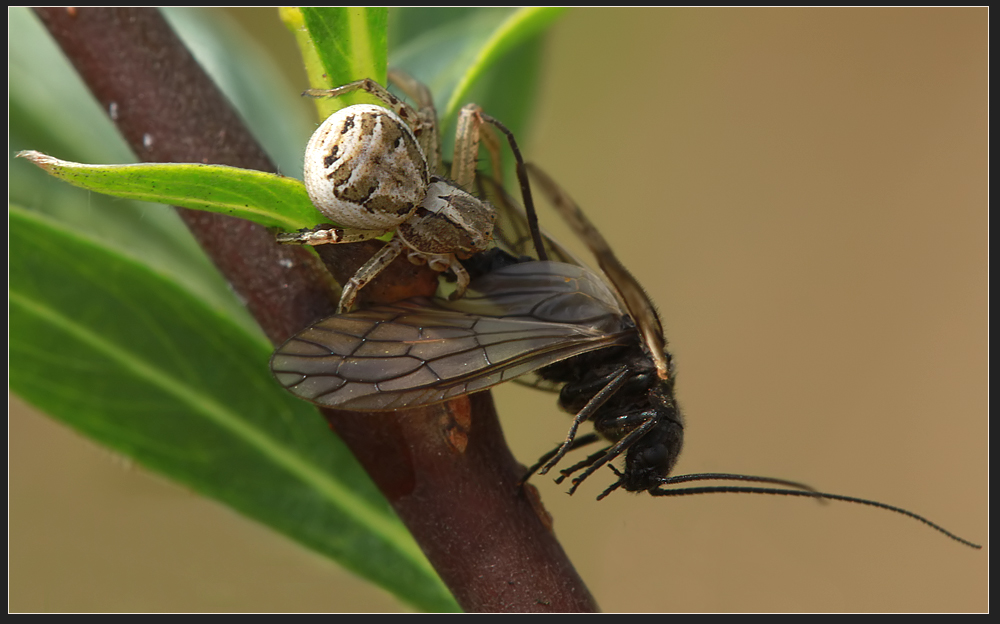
423,351
635,299
512,234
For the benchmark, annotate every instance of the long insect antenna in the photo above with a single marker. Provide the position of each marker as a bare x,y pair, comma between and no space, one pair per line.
522,178
713,476
725,476
724,489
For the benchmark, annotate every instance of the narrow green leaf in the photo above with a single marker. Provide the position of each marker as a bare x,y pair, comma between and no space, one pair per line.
130,359
490,56
461,54
295,23
452,56
116,350
51,110
351,41
265,198
341,45
517,28
268,97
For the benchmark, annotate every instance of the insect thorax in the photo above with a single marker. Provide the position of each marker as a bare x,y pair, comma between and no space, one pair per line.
642,401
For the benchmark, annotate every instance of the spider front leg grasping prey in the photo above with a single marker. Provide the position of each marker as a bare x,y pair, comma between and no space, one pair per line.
373,170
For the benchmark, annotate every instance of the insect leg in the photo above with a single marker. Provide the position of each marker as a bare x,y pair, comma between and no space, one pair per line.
583,440
614,451
367,273
588,410
522,178
329,235
583,463
614,486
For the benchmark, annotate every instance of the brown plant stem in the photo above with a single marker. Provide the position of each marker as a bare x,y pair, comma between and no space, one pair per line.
446,469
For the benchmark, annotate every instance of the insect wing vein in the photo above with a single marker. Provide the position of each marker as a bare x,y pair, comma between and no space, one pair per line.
423,351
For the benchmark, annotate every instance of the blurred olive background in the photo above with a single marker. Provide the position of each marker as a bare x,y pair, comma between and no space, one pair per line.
803,192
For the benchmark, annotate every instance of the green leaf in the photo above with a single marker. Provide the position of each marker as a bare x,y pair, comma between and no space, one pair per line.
262,92
457,51
143,367
474,55
265,198
122,329
52,110
340,45
517,28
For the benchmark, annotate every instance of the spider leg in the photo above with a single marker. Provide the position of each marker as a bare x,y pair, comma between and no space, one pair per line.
467,134
406,112
428,134
328,235
411,88
492,144
367,273
461,278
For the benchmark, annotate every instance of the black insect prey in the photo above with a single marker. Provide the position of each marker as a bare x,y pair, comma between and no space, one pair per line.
604,346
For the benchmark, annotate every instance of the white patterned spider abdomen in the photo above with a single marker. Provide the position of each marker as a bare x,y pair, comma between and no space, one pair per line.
367,169
364,169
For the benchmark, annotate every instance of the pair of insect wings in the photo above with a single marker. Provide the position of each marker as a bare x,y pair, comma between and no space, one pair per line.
513,320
